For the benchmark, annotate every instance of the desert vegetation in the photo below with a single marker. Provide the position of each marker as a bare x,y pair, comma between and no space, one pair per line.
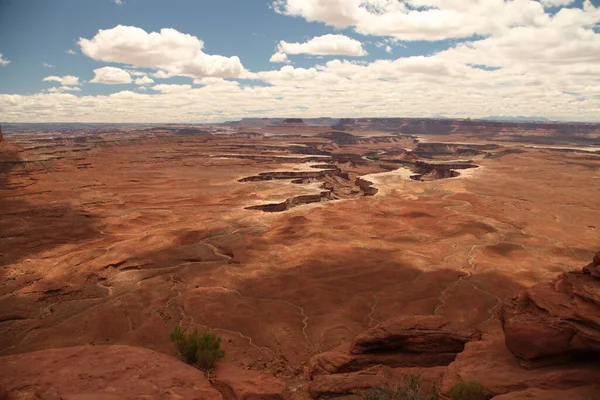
468,390
409,389
200,350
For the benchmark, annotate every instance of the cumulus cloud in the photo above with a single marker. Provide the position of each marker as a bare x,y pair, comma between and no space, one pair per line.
545,66
67,80
46,65
70,51
320,45
64,89
171,88
144,80
556,3
3,61
418,19
111,76
169,50
279,58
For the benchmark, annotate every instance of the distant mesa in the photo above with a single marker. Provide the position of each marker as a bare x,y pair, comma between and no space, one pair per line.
340,137
293,123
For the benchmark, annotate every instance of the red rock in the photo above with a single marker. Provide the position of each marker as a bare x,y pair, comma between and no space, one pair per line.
240,384
350,383
490,363
555,320
416,334
594,267
341,360
102,373
591,392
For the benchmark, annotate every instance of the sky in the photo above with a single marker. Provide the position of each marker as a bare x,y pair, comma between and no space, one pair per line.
154,61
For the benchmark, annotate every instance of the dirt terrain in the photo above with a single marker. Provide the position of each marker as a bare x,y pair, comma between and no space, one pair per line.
287,241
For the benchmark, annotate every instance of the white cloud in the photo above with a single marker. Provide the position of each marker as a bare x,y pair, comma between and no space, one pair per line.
388,49
119,2
547,66
418,19
556,3
170,51
70,51
324,45
64,89
279,58
171,88
144,80
3,61
46,65
67,80
111,76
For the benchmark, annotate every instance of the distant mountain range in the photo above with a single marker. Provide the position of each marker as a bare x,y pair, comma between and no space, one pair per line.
520,118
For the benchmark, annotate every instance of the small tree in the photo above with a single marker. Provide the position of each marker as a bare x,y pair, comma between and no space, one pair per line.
200,350
469,390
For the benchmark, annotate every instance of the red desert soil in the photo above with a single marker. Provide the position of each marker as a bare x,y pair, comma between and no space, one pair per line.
115,241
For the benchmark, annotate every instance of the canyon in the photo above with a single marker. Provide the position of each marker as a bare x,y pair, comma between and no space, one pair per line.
303,244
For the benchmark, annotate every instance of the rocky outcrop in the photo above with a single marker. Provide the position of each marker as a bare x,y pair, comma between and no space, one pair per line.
293,123
426,171
102,372
411,341
415,334
490,363
591,392
292,202
366,187
268,176
240,384
353,382
342,360
556,321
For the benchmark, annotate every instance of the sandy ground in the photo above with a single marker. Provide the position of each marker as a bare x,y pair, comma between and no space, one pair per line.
117,244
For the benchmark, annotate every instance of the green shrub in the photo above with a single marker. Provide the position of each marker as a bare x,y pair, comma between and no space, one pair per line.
469,390
410,389
200,350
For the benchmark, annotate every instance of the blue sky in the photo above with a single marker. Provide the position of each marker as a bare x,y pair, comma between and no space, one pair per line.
414,58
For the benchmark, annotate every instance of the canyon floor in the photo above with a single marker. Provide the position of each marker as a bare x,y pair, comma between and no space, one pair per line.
116,238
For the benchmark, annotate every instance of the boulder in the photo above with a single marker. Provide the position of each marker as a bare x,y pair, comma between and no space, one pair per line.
350,383
409,341
553,322
342,360
593,268
102,373
490,363
240,384
353,382
415,334
591,392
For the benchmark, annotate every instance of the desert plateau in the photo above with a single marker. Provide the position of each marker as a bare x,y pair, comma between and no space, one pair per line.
300,200
289,240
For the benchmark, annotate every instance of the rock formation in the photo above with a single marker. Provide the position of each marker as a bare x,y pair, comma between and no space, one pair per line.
556,321
412,344
102,372
240,384
293,123
491,364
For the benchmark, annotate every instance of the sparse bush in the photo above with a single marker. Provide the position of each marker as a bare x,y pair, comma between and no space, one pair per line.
409,390
200,350
469,390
